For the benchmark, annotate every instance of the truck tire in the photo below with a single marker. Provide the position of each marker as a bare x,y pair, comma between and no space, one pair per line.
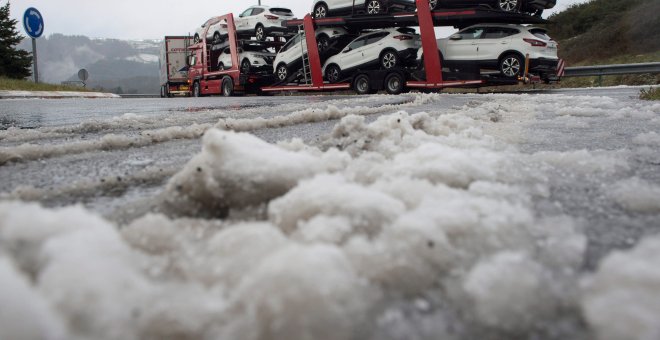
394,83
196,90
227,89
361,84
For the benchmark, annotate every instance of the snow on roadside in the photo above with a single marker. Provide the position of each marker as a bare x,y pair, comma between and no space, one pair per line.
621,300
411,220
637,195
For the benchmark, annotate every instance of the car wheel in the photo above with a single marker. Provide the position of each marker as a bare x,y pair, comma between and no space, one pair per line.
196,38
511,65
394,83
389,59
196,90
509,5
320,11
221,66
282,72
245,66
332,73
259,33
227,87
323,42
374,7
216,37
361,84
433,4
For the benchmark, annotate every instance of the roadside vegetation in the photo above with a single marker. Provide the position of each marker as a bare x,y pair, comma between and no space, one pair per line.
650,94
8,84
601,32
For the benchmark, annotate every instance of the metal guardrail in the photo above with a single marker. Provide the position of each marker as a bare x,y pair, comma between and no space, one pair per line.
608,70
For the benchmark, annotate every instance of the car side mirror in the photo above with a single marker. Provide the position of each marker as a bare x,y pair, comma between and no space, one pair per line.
456,37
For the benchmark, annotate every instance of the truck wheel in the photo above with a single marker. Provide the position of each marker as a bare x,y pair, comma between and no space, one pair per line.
511,65
332,73
282,72
389,59
375,7
245,66
361,84
259,33
509,5
196,92
227,87
394,83
320,11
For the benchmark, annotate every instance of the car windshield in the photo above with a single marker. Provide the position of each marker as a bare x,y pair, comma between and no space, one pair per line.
281,11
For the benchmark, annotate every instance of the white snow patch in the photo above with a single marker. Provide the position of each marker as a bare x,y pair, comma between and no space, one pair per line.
650,138
637,195
622,299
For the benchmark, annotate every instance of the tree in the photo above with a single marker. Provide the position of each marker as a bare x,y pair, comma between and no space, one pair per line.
14,63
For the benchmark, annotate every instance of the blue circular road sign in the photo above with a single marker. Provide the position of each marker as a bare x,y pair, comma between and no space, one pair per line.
33,22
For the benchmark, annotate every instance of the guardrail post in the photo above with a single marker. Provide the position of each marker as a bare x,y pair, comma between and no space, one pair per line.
600,81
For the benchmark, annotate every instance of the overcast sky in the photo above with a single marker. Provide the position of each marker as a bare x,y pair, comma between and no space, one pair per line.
148,19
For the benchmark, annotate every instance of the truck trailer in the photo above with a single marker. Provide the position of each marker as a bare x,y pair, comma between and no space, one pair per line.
173,66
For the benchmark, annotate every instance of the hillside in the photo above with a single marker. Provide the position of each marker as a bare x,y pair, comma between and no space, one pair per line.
113,65
601,30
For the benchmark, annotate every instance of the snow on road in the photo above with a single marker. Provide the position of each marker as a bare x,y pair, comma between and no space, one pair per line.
409,219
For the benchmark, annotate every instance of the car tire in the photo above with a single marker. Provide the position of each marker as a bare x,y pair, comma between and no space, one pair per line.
361,84
221,66
374,7
433,4
511,65
389,59
245,66
227,89
196,38
196,90
394,83
260,33
320,11
333,73
511,6
323,42
282,72
216,37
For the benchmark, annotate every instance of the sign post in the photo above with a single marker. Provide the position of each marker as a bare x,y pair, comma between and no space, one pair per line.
33,23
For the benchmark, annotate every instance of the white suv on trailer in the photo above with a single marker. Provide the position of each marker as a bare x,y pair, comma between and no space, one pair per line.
326,8
386,49
263,21
289,57
251,58
215,33
501,47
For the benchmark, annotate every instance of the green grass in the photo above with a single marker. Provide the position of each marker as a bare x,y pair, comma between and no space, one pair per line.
650,94
7,84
